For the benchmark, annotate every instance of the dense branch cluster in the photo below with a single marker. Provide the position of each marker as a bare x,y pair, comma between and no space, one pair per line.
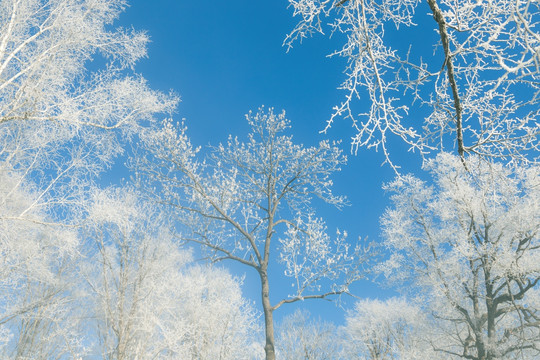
477,93
472,242
467,241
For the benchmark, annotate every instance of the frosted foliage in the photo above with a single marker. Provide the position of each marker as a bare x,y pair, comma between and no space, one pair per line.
148,301
44,45
54,113
36,264
470,81
234,199
300,337
221,324
27,242
471,241
390,329
307,249
60,125
251,202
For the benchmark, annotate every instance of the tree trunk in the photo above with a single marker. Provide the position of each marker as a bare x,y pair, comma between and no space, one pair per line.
491,310
268,316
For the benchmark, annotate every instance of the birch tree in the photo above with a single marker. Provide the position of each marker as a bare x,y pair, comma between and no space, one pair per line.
60,123
470,244
148,300
473,87
251,202
45,46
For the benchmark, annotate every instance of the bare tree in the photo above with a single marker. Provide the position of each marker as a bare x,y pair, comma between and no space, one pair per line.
250,202
477,91
44,45
470,243
53,111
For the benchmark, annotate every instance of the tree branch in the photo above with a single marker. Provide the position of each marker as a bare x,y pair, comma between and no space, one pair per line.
439,18
302,298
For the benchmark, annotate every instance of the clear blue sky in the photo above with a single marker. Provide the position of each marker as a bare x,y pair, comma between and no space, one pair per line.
225,58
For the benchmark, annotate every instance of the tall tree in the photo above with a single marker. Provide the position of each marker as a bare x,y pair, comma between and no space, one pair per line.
470,243
251,202
473,87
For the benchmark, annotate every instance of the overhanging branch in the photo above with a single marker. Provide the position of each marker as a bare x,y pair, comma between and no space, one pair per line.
439,18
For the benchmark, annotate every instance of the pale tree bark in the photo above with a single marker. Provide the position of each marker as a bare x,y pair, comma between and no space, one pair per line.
269,347
61,124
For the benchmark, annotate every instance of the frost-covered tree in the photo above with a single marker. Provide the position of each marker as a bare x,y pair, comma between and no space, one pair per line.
302,338
54,112
466,77
45,46
219,322
390,329
251,202
148,302
37,264
393,329
61,124
470,243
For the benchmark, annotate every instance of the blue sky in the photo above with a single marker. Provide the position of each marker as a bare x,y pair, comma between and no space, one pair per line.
226,58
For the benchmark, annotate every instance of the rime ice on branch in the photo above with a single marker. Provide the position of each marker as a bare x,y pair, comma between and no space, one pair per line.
469,246
251,202
478,93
